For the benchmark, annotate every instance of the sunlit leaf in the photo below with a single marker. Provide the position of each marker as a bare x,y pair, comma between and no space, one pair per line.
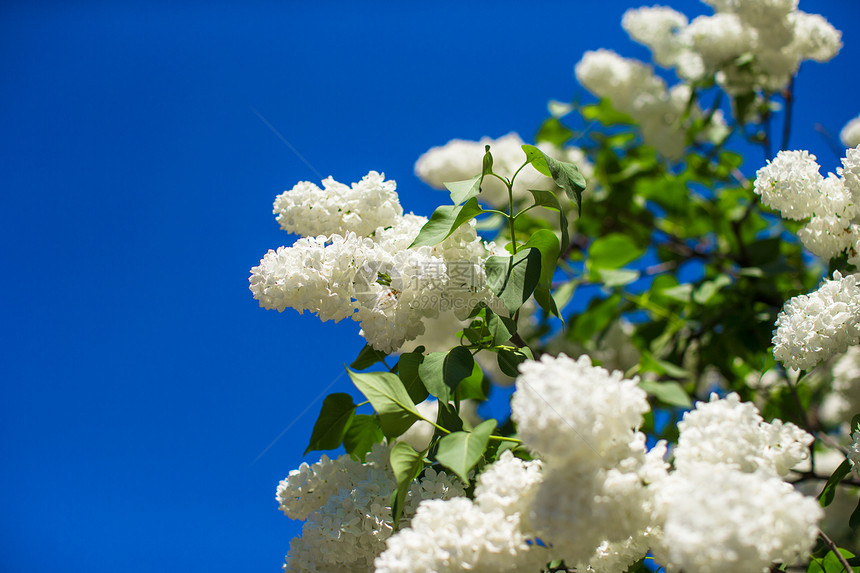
389,398
460,451
444,221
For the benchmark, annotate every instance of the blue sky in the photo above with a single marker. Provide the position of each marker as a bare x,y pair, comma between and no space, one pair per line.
141,380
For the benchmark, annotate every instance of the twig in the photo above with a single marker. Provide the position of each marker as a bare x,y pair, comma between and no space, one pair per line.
810,475
766,142
788,96
829,542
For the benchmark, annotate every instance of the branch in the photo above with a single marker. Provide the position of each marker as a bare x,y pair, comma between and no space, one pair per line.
829,542
810,475
788,96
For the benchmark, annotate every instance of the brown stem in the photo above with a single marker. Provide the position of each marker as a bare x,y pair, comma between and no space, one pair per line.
829,542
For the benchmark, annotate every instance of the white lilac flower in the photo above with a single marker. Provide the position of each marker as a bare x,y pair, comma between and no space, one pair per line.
635,90
719,39
850,134
790,184
457,535
850,172
347,510
314,274
389,309
578,507
624,81
764,12
812,328
619,555
657,28
376,280
307,488
771,19
430,485
728,431
715,518
622,505
827,236
508,484
571,410
814,38
774,35
690,67
660,122
837,198
307,210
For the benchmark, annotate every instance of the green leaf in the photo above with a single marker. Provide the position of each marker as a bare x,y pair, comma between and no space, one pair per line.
548,200
650,363
617,277
604,113
560,108
537,158
493,222
460,451
514,278
742,104
553,131
444,221
566,175
462,191
332,422
448,418
547,243
475,386
362,433
544,298
432,375
510,358
854,520
829,563
670,393
367,358
407,465
564,294
442,372
709,288
855,424
639,567
827,494
501,327
613,251
544,198
487,168
407,369
389,398
683,293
